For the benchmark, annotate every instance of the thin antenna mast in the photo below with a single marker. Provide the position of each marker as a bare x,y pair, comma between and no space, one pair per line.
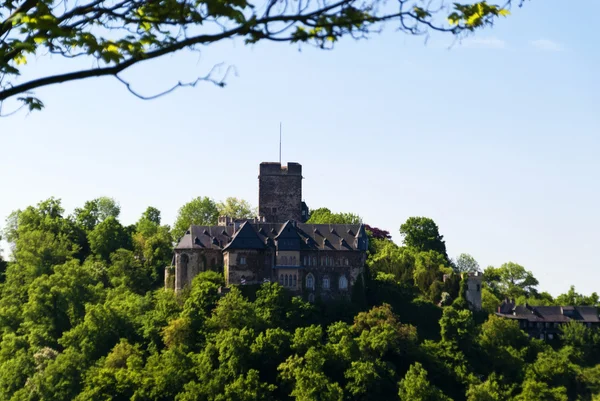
280,142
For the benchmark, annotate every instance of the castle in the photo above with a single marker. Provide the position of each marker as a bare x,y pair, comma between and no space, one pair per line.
314,260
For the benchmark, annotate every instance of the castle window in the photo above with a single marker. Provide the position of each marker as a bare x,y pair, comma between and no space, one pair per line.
295,282
286,283
343,283
281,279
326,282
311,298
346,261
310,281
242,260
306,261
323,260
314,261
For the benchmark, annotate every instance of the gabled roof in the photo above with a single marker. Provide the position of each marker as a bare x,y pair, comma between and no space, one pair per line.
340,237
554,314
204,237
287,231
245,238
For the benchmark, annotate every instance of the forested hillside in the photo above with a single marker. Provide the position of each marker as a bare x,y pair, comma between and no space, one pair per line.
84,316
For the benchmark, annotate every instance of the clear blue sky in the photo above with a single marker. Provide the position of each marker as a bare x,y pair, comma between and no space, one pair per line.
495,139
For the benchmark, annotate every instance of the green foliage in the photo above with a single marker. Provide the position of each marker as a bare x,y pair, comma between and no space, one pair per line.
128,33
422,234
458,326
416,387
96,211
326,216
466,263
575,299
199,211
107,237
490,390
510,280
236,208
430,266
95,324
390,258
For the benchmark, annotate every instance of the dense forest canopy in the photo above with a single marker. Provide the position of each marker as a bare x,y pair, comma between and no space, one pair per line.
84,316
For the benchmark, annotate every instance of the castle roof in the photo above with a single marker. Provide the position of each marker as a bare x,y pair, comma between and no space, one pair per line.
289,235
206,237
554,314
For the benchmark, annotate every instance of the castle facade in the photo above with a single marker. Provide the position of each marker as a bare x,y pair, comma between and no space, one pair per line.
316,260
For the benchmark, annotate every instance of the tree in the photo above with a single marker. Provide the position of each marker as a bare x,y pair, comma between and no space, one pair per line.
430,266
573,298
466,263
490,390
107,237
458,327
236,208
416,387
510,280
378,233
422,234
144,31
41,237
326,216
153,243
199,211
96,211
390,258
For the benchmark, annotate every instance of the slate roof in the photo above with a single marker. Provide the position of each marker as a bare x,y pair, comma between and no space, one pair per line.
555,314
206,237
245,238
340,237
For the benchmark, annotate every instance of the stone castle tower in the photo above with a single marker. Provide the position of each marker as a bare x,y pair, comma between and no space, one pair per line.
473,294
280,193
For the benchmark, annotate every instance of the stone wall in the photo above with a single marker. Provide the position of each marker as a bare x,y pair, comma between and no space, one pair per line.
190,262
280,192
331,266
252,265
473,294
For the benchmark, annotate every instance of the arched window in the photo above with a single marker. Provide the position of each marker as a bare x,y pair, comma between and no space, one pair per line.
284,260
343,283
310,281
281,279
326,282
286,283
311,297
295,282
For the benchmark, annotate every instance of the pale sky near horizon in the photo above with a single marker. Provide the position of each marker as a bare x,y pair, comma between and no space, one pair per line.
496,138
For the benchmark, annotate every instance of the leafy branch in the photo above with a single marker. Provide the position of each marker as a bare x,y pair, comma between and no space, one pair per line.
118,34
